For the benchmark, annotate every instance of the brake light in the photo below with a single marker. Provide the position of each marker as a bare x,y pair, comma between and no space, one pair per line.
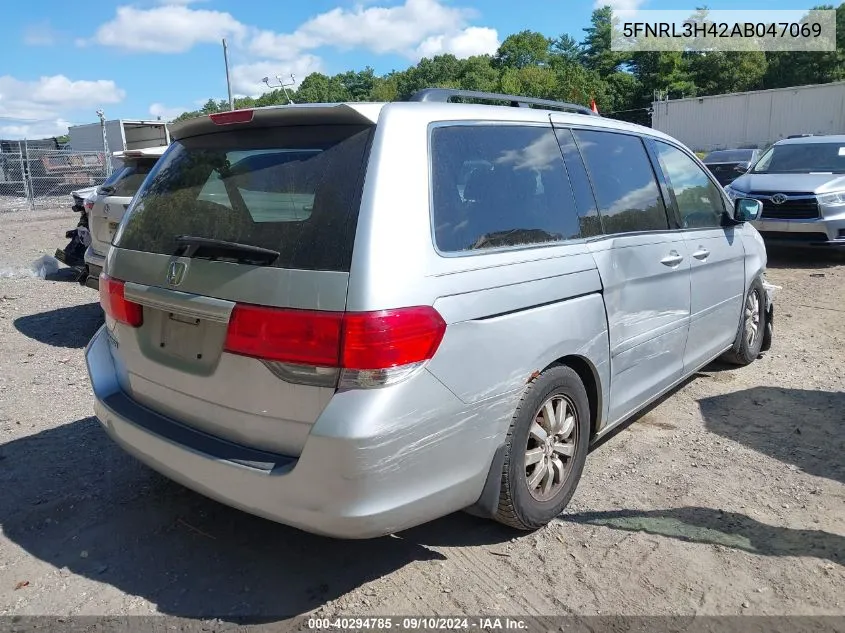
233,116
390,338
302,337
115,304
372,348
89,205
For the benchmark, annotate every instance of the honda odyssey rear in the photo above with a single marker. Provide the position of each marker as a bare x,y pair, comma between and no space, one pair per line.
356,318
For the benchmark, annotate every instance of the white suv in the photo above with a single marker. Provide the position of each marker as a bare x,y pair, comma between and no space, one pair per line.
110,202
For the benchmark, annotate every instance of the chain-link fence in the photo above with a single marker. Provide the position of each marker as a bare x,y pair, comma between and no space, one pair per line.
14,188
39,178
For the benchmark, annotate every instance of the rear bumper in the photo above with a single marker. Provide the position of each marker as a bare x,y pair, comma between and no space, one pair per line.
355,478
94,262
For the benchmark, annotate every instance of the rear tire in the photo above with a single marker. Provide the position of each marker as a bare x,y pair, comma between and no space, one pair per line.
545,450
752,327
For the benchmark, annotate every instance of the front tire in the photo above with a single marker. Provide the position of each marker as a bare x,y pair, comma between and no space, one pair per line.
752,327
546,449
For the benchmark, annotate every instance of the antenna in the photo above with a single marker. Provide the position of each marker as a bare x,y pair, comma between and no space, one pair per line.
284,86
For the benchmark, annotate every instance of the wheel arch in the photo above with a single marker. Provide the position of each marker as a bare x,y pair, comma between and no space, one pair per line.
487,503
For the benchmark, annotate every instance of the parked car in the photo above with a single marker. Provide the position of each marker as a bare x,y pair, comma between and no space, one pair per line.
801,183
110,203
729,164
404,337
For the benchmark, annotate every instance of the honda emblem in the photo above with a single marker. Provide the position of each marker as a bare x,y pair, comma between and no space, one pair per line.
176,273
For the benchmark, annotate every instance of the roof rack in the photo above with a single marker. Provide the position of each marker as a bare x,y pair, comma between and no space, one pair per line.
445,95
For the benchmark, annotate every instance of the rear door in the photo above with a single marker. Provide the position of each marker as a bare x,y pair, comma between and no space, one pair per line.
717,255
288,197
643,262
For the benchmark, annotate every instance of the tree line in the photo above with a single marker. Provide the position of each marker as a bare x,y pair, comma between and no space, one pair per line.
562,68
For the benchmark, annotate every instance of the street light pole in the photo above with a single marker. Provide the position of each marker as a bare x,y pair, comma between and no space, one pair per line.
228,81
106,153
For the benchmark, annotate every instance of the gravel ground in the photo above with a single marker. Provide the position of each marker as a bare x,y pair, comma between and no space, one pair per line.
728,497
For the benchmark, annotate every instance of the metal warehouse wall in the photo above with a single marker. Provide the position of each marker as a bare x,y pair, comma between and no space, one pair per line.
756,118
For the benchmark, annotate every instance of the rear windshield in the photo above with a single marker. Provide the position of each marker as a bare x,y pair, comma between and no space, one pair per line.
294,190
130,178
729,156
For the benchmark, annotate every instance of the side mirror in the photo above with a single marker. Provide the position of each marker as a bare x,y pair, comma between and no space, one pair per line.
742,169
747,209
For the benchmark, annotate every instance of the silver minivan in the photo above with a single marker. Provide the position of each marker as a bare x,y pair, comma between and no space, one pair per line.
356,318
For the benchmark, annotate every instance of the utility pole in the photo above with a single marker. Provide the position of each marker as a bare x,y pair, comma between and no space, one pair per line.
106,151
228,81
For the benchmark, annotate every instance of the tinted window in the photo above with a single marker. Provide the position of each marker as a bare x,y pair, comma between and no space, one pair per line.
730,156
580,181
699,201
295,190
131,177
498,186
802,159
623,181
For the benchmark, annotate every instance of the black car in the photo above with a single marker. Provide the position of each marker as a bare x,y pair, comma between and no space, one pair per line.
729,164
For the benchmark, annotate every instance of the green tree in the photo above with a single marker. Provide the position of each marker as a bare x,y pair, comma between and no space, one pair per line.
478,74
318,88
596,52
530,81
358,85
523,49
718,72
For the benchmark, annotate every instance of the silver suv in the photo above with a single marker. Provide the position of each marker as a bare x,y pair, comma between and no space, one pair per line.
356,318
801,182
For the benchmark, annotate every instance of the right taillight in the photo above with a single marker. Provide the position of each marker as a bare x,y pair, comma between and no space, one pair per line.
370,348
115,304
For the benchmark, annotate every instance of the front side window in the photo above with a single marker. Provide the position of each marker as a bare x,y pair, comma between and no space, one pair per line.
623,181
699,201
499,185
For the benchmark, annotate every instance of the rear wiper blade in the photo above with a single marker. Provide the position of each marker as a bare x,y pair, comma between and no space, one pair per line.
208,248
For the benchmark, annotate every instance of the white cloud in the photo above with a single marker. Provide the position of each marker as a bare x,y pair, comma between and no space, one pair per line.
36,130
474,40
40,107
402,29
398,29
167,29
166,113
247,78
619,5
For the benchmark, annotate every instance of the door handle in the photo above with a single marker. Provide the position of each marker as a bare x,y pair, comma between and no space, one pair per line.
701,253
672,259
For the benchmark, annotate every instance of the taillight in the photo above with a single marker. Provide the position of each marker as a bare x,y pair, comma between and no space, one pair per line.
390,338
302,337
232,116
115,304
89,205
371,348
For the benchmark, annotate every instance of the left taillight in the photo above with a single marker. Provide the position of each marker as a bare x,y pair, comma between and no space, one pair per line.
116,306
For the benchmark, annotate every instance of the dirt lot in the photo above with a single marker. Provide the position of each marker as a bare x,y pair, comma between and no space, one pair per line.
726,498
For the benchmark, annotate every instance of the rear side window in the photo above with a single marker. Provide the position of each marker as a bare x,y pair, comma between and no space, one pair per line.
623,181
131,177
496,186
295,190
